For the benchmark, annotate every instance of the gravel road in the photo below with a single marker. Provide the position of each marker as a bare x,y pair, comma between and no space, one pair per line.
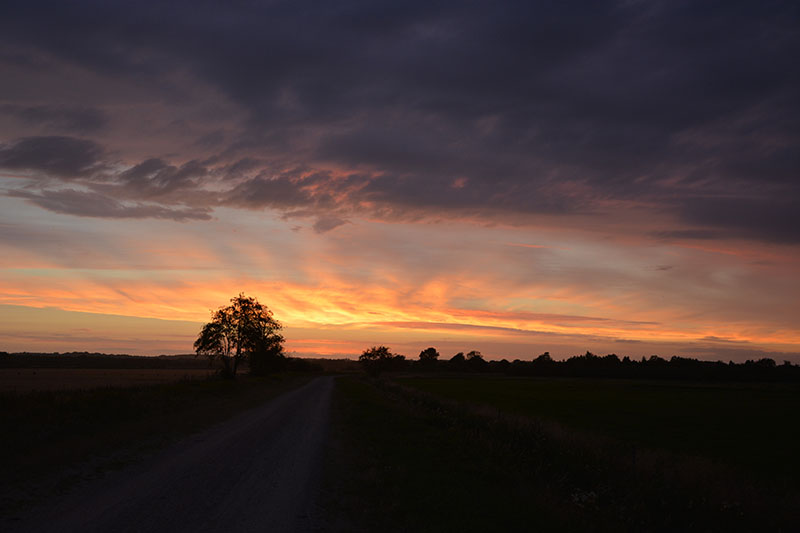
259,471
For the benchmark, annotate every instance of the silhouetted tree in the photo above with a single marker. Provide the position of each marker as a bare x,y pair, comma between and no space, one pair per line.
457,361
428,358
503,365
376,359
243,330
476,362
267,356
429,355
474,354
611,365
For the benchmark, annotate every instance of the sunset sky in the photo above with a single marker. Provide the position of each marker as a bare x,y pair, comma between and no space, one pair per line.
508,177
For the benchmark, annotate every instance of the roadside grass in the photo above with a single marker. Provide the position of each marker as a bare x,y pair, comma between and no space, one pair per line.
748,426
403,460
393,468
53,440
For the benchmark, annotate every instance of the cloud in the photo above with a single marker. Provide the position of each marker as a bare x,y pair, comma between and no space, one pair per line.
711,351
154,177
772,219
553,318
327,223
82,119
60,157
463,327
555,110
281,192
92,204
693,234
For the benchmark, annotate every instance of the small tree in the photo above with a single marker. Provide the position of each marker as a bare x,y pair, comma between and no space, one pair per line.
474,354
476,362
428,356
243,330
376,359
457,362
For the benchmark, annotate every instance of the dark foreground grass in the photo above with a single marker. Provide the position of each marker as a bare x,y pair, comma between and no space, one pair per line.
748,426
396,468
405,461
52,440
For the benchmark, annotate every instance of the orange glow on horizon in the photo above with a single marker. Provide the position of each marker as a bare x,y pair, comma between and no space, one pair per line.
333,305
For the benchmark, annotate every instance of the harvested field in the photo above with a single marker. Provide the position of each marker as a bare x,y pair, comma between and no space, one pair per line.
23,380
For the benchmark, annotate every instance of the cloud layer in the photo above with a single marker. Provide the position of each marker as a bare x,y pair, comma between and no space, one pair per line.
418,110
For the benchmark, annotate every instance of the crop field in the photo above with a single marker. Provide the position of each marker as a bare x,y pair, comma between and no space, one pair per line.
23,380
407,460
751,426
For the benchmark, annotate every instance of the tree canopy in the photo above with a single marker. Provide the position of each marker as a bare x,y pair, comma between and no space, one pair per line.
380,358
429,354
245,329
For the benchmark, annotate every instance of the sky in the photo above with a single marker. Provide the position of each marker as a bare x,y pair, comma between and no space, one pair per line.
509,177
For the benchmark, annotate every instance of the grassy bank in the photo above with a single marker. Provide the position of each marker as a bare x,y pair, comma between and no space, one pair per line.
55,439
406,461
748,426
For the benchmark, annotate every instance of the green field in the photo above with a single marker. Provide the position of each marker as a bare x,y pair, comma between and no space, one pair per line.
752,426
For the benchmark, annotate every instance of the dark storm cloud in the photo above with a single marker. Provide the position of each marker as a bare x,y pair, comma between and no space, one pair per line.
515,107
79,119
92,204
771,219
165,189
696,234
62,157
280,192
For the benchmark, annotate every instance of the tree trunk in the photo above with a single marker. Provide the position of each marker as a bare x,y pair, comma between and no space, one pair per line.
237,357
226,363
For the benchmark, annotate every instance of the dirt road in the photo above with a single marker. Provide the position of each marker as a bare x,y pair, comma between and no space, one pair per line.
259,471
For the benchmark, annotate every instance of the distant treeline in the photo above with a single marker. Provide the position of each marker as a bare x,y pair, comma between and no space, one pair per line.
138,362
590,365
98,361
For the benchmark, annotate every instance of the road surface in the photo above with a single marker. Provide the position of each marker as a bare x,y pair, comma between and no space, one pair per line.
259,471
